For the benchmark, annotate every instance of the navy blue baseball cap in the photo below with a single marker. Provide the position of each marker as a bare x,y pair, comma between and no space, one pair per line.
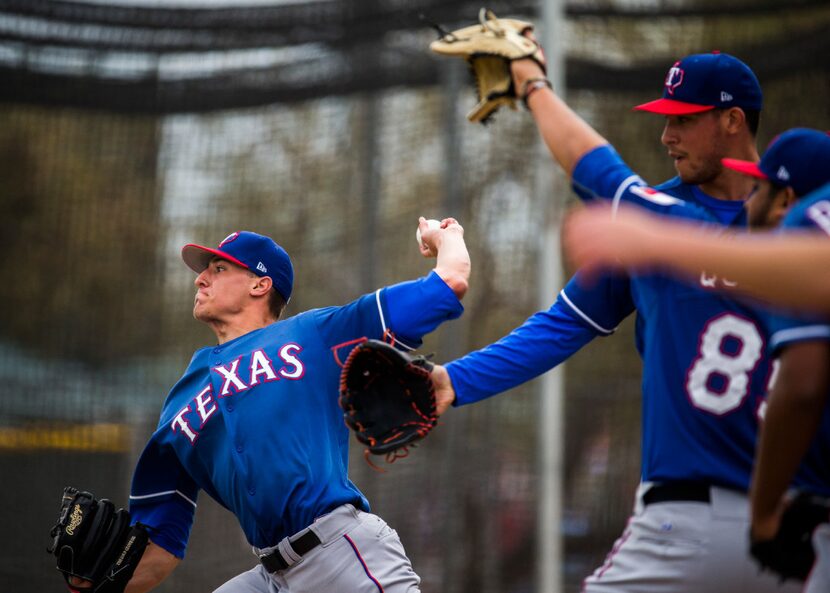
702,82
257,253
799,158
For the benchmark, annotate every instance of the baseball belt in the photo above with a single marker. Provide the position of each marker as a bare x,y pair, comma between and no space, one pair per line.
677,492
301,545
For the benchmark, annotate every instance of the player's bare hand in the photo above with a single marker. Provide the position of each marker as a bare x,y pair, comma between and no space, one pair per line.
431,236
446,240
451,225
444,393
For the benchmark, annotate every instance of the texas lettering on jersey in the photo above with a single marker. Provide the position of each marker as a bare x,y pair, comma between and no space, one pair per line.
240,375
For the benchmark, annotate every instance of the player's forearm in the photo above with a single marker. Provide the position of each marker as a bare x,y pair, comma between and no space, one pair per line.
453,262
567,136
793,274
786,271
784,440
155,566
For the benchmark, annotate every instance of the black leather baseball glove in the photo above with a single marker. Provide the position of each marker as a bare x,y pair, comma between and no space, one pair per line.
790,553
94,541
387,397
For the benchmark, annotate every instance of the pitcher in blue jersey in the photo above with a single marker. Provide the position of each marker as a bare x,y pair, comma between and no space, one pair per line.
704,366
254,422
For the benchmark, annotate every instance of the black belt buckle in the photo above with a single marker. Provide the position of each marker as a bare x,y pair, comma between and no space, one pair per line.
302,545
677,492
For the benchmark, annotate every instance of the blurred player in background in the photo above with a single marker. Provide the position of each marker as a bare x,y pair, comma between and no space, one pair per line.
255,423
795,164
704,369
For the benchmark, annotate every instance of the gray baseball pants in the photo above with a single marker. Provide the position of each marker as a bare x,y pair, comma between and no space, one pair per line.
358,553
686,547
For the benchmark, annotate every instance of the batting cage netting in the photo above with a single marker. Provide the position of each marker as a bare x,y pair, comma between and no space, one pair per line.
130,128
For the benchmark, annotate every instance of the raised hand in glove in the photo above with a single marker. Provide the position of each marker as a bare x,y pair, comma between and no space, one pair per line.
489,47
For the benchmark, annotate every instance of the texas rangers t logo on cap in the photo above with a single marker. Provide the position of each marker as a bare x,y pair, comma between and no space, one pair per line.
702,82
229,238
674,78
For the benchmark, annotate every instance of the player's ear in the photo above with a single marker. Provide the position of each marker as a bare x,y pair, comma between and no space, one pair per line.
735,119
788,197
783,200
261,285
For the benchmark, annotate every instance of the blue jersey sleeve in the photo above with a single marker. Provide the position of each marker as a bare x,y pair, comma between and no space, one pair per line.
542,342
812,214
409,310
601,174
163,496
601,303
418,307
786,329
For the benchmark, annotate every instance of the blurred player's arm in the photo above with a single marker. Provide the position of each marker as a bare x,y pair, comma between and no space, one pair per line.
447,245
791,270
793,415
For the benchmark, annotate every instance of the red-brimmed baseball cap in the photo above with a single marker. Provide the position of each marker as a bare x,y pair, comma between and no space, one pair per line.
702,82
254,252
798,158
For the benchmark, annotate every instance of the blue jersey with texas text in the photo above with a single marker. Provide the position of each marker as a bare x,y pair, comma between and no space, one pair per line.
255,422
812,214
